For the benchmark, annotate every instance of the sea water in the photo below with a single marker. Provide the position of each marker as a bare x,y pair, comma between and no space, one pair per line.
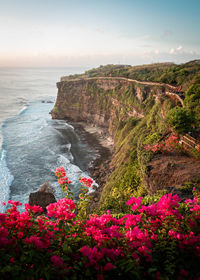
32,144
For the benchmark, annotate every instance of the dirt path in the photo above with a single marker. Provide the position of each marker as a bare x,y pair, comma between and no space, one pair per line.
171,89
120,78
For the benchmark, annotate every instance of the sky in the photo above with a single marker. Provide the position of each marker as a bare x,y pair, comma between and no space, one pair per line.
89,33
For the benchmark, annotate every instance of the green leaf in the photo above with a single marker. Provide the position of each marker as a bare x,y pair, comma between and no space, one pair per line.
61,223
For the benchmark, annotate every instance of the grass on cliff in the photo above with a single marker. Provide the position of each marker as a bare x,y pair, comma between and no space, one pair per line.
126,104
131,159
170,73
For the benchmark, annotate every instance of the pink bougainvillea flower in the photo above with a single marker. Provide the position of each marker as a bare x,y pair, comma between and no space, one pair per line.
135,202
100,277
101,243
61,209
20,235
86,181
12,260
34,209
57,261
15,203
108,266
3,237
183,272
37,242
60,172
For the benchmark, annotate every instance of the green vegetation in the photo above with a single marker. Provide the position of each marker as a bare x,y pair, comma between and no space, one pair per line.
183,74
131,159
181,119
131,134
55,109
143,236
188,118
192,101
157,241
139,119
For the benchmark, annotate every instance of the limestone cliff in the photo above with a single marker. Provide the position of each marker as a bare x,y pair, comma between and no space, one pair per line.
103,101
133,114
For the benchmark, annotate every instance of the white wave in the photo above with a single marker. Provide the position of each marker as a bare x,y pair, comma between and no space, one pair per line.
62,124
70,156
67,146
68,153
51,152
63,160
59,133
44,124
69,125
23,109
74,173
6,179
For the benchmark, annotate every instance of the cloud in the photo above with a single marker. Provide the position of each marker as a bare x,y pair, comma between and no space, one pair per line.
193,52
177,50
172,51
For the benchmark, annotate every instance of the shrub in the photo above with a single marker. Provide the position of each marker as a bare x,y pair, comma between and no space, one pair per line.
180,119
170,143
192,102
157,241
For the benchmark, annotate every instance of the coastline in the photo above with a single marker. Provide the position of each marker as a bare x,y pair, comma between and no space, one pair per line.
100,168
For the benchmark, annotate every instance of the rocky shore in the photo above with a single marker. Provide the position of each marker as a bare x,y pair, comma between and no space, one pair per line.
100,169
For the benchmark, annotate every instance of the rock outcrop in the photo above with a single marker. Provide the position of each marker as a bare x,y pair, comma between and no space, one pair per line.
43,197
171,171
130,112
101,101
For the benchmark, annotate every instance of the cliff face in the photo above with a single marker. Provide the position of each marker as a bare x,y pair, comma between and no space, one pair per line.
133,114
101,101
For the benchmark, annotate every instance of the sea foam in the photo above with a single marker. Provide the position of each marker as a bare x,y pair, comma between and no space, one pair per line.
6,179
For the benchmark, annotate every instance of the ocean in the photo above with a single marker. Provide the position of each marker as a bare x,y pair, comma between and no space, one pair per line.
32,144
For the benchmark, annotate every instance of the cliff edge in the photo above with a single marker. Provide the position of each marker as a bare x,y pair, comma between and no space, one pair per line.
133,113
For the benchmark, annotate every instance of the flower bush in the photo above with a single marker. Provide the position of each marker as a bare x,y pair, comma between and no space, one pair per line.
171,143
84,199
157,241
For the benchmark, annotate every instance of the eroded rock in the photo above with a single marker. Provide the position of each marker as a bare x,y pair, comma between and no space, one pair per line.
43,197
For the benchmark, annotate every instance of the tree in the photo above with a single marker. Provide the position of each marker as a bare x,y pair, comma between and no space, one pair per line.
192,102
181,119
